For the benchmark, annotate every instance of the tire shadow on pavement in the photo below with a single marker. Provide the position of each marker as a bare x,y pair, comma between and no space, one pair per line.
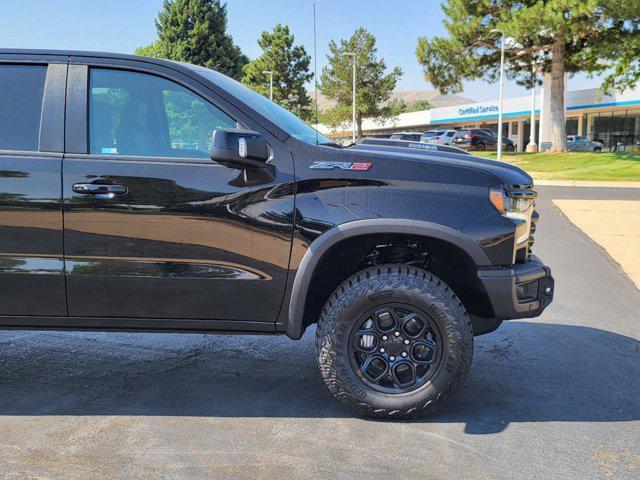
524,372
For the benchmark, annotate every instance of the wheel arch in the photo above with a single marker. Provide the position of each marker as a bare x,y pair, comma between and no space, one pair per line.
321,246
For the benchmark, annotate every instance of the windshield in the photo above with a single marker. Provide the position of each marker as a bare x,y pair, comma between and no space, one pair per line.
284,119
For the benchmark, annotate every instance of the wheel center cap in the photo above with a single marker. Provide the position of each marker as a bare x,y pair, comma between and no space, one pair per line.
394,345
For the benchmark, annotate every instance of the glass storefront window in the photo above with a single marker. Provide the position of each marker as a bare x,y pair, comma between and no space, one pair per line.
572,126
617,131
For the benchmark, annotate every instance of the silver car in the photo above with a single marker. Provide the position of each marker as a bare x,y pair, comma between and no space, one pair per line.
576,143
439,137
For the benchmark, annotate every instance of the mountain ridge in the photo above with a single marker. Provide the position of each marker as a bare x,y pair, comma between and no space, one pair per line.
409,97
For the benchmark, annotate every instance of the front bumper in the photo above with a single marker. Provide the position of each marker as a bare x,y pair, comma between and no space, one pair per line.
519,291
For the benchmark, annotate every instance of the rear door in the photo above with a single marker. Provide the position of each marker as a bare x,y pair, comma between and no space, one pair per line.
32,89
490,139
154,229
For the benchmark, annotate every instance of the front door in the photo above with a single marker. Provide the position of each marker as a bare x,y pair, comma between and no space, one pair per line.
31,137
154,228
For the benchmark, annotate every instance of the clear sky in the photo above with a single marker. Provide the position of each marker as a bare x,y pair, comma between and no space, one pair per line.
123,25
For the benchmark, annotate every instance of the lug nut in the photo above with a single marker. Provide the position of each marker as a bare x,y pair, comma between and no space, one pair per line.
397,334
392,358
406,342
384,337
382,350
404,354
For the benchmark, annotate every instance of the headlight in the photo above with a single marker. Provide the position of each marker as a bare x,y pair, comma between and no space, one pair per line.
517,205
514,203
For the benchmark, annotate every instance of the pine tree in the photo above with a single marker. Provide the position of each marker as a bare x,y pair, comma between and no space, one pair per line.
542,36
373,85
290,66
195,31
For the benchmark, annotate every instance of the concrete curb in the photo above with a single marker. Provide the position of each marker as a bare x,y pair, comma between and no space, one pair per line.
585,183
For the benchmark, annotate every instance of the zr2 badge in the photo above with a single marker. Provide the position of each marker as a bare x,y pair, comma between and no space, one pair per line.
360,166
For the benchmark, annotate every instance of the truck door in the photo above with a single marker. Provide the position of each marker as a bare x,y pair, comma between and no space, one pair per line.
32,89
154,229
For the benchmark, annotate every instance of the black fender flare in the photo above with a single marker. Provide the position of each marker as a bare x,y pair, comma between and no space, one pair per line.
320,246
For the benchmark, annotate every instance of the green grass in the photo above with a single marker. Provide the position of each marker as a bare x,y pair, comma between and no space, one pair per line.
576,165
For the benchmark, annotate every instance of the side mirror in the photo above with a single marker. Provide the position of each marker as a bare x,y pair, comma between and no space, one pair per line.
239,149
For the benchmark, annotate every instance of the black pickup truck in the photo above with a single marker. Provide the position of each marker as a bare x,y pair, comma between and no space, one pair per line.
140,194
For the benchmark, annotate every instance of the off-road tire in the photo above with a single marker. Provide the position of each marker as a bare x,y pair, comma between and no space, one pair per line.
379,286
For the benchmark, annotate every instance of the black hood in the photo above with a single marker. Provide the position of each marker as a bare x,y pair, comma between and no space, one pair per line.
506,173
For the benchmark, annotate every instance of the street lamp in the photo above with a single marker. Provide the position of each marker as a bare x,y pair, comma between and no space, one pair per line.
353,121
495,30
532,146
270,73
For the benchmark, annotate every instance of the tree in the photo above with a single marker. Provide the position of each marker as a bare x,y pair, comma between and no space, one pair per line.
373,85
290,67
195,31
623,46
419,105
543,36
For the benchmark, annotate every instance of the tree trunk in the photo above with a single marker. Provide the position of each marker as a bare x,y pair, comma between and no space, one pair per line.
359,124
558,122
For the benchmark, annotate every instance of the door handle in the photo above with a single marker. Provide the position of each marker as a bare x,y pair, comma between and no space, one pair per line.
100,190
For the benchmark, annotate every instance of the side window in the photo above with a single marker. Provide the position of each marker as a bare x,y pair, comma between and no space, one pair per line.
21,91
138,114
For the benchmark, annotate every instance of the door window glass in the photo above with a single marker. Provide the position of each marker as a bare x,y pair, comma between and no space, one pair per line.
137,114
21,91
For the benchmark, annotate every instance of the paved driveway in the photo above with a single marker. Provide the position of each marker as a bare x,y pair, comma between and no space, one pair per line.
555,397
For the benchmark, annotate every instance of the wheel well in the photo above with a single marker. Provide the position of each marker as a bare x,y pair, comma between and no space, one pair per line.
444,259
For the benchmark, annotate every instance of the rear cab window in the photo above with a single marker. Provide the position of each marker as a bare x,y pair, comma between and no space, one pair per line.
21,93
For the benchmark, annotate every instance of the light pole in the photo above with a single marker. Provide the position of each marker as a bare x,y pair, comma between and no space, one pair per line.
495,30
353,121
270,73
532,146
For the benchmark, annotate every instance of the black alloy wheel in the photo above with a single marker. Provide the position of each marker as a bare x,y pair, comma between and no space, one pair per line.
395,348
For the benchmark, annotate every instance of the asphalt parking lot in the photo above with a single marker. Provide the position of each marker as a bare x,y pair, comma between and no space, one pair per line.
554,397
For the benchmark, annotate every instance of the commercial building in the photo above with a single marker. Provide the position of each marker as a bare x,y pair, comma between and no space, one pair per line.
611,119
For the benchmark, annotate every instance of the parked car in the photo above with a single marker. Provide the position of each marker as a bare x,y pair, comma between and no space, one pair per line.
430,134
412,136
142,194
576,143
479,140
438,137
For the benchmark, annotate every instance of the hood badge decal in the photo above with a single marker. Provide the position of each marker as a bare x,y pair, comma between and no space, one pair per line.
360,166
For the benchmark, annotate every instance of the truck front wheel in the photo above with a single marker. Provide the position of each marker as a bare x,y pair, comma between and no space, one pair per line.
394,341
